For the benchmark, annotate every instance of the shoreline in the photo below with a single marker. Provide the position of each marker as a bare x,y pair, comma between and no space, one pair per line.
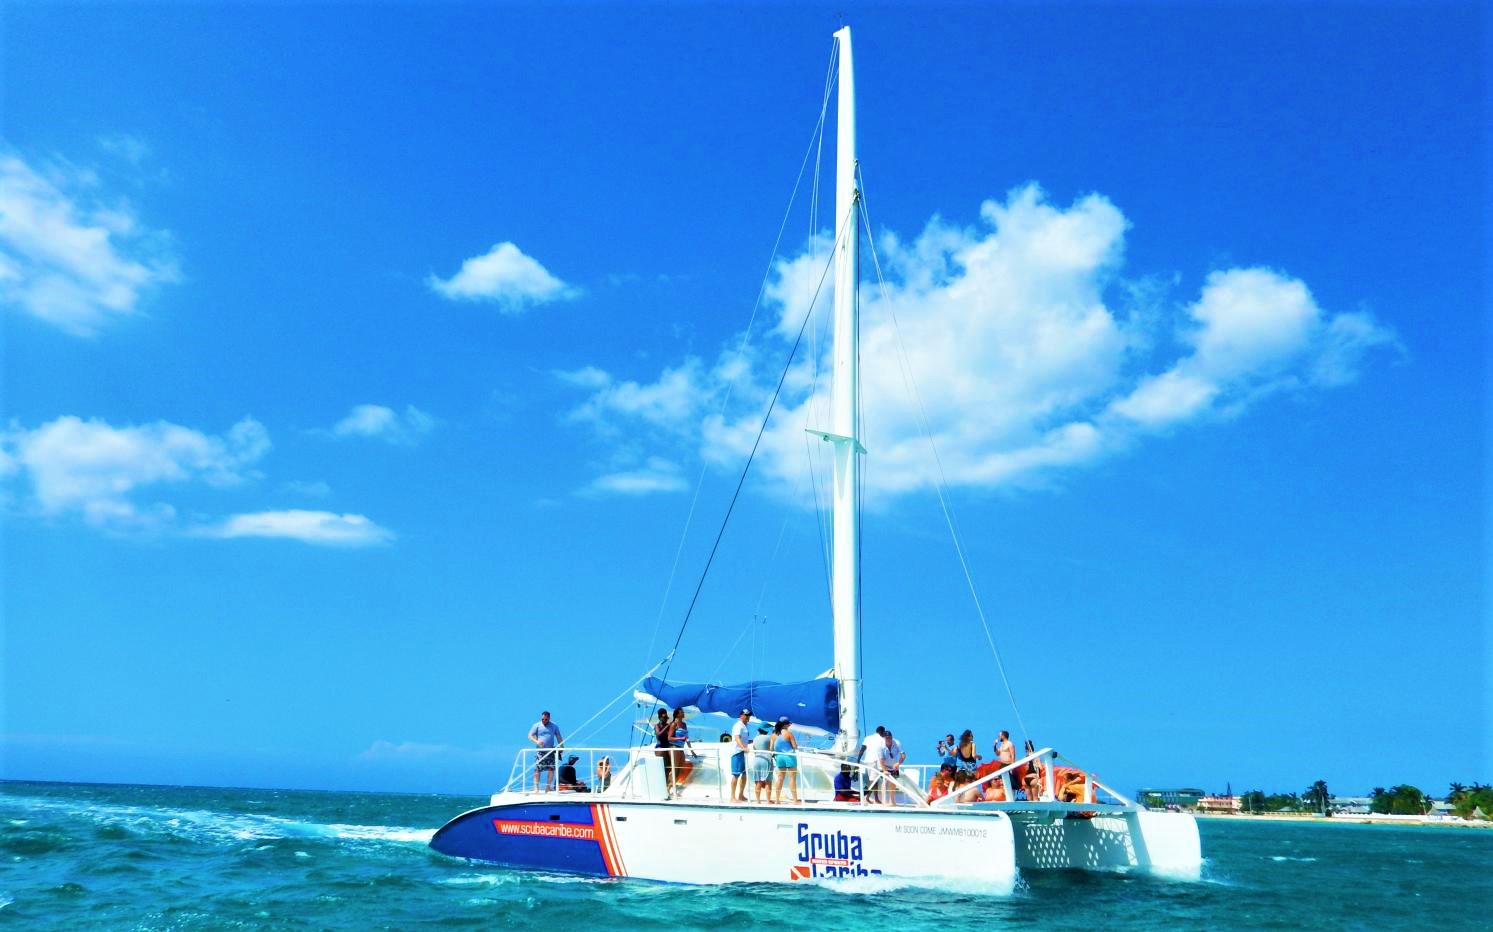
1348,819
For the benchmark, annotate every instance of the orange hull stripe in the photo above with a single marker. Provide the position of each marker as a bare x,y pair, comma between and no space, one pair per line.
601,840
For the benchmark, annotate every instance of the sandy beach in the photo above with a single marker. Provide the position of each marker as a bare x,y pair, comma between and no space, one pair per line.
1353,818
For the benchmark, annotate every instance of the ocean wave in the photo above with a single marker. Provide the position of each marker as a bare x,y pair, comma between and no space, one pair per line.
863,886
114,820
1287,857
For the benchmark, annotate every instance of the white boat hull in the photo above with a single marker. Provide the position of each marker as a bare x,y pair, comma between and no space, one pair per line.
683,842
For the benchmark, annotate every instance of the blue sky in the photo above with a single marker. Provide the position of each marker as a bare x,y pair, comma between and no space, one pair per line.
360,362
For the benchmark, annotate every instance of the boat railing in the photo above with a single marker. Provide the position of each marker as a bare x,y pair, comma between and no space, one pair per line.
870,784
651,773
1083,783
596,769
632,773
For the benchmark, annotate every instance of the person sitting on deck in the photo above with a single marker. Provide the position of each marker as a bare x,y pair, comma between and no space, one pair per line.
994,791
568,780
603,774
1070,784
938,786
845,785
962,790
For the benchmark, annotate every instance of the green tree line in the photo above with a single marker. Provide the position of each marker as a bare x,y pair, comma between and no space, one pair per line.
1467,802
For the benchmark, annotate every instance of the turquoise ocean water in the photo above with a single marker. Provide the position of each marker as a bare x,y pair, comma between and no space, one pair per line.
150,857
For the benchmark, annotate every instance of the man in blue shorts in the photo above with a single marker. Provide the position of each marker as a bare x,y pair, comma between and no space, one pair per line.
546,737
739,748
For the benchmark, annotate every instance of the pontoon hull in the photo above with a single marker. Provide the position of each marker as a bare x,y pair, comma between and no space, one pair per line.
707,844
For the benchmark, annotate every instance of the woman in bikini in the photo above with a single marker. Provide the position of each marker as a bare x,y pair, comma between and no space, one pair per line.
679,736
966,759
663,733
1033,778
785,758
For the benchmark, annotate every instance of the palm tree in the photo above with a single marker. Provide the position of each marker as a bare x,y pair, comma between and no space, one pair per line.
1316,794
1454,791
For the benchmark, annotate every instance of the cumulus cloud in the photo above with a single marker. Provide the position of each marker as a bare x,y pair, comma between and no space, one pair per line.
1018,344
69,257
656,474
505,276
311,527
381,423
93,470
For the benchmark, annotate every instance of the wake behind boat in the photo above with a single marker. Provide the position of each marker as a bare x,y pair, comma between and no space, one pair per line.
643,821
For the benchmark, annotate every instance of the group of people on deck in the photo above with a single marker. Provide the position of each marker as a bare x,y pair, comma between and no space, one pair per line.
768,762
961,773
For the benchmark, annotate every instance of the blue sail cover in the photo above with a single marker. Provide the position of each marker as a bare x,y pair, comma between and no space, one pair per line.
816,702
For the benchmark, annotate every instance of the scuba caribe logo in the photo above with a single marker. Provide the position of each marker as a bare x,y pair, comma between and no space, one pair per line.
828,854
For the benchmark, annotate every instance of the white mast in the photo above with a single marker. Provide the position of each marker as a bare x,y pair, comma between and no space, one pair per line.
844,427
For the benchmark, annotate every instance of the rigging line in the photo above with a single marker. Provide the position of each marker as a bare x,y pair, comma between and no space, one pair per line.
943,502
582,726
732,649
618,714
817,133
736,495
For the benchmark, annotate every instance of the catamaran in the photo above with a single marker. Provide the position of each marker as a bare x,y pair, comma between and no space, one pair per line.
638,820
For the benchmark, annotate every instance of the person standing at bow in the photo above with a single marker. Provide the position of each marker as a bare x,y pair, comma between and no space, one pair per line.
546,737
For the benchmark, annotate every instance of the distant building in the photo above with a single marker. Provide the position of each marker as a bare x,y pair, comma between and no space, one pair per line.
1225,804
1181,798
1351,805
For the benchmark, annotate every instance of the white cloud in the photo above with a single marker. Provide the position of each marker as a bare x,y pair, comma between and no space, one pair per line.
1254,331
666,402
68,258
505,276
381,423
655,475
1022,364
92,469
312,527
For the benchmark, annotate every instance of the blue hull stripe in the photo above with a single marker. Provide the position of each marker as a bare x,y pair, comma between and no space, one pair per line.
558,836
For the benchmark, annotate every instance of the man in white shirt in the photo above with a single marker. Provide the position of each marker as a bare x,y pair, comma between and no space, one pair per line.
889,760
867,755
739,747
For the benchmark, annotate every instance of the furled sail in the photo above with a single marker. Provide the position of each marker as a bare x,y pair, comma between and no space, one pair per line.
815,702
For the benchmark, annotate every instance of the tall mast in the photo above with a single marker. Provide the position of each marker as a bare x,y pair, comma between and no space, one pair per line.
845,594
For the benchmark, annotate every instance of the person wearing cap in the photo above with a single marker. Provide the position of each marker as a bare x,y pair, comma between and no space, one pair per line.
739,748
889,762
568,779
